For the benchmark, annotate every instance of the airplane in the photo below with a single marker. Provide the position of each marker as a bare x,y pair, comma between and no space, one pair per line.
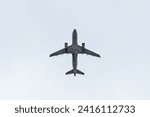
74,49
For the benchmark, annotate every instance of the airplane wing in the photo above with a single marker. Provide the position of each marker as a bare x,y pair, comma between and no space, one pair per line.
89,52
86,51
62,51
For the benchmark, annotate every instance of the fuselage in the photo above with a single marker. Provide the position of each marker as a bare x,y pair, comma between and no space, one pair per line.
75,53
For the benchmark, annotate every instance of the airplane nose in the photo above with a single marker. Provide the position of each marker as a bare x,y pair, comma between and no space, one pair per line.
74,30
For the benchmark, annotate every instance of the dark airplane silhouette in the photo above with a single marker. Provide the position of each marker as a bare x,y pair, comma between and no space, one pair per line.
74,49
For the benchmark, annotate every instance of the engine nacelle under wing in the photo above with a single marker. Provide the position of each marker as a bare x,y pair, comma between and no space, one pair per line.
83,46
66,46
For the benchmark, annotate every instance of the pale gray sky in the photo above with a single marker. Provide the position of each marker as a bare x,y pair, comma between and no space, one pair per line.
119,30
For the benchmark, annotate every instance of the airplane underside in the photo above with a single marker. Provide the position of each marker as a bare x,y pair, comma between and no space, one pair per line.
74,49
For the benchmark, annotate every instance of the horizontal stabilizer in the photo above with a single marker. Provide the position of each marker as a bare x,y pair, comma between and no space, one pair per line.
75,72
80,72
70,72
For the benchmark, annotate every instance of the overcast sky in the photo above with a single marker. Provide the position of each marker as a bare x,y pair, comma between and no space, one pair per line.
30,30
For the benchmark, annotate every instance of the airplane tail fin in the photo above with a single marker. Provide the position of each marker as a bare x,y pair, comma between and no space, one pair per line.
77,72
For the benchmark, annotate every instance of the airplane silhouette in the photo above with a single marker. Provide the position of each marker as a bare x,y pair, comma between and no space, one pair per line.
74,49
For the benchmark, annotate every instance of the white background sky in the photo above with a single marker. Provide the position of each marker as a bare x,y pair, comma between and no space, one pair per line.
119,30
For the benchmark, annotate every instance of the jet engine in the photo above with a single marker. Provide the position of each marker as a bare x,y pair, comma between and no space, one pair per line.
66,45
83,46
